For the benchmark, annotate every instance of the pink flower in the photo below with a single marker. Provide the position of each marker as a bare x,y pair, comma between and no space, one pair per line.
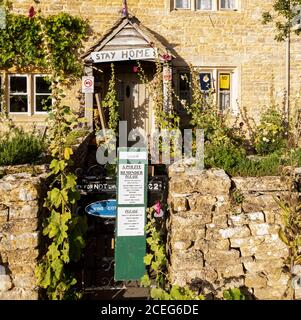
31,12
136,69
157,207
166,57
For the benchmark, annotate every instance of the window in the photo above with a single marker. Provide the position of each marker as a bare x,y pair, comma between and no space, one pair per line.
18,94
219,85
182,4
25,94
204,4
211,5
184,87
224,91
228,5
42,92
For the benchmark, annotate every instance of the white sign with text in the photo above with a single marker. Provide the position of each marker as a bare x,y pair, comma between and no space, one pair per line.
123,55
131,184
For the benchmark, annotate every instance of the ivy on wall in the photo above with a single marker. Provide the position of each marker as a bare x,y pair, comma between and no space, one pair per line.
21,42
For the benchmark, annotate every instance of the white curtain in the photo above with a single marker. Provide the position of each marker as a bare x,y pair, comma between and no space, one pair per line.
204,4
228,4
185,4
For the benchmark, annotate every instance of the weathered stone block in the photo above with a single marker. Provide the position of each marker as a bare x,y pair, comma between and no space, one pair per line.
266,184
255,281
261,229
238,232
18,227
270,293
230,271
5,283
25,281
19,294
211,182
179,204
263,265
259,202
22,241
181,245
244,219
249,242
189,260
24,210
276,278
221,257
202,203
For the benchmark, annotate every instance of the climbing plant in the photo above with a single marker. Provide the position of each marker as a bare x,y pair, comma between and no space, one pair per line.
63,230
156,261
111,102
21,42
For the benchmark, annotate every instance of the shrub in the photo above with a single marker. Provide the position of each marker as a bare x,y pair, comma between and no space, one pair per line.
225,156
19,147
270,133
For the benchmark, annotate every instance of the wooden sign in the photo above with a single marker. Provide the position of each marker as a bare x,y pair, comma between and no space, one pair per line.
131,214
124,55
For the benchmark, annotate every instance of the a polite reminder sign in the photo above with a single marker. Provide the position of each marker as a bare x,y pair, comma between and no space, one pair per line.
131,214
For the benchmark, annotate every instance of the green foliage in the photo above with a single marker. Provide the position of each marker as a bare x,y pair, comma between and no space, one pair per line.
270,133
290,233
111,101
21,42
233,294
225,156
282,15
64,230
73,136
156,261
19,147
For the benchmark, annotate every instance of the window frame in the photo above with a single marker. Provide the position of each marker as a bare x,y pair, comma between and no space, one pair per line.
176,8
227,9
215,72
216,6
34,94
9,94
213,6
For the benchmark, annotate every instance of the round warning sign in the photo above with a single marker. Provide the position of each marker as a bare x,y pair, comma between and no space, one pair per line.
88,85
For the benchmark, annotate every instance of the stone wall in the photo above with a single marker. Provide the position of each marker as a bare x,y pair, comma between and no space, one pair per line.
217,243
22,192
21,200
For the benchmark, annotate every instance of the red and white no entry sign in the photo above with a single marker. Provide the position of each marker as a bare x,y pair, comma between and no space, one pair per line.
88,85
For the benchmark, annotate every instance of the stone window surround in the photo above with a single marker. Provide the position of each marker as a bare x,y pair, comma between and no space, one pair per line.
4,83
193,7
215,72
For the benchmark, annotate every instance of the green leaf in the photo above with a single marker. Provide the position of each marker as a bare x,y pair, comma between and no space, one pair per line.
145,281
148,259
67,153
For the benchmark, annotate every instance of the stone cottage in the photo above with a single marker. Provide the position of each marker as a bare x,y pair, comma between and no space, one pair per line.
235,54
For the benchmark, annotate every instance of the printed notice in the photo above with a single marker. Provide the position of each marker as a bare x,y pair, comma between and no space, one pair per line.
131,184
131,222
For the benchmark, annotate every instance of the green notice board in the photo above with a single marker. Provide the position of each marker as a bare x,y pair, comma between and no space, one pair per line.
131,213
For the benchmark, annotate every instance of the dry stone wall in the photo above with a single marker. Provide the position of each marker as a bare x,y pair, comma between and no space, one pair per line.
217,243
21,199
